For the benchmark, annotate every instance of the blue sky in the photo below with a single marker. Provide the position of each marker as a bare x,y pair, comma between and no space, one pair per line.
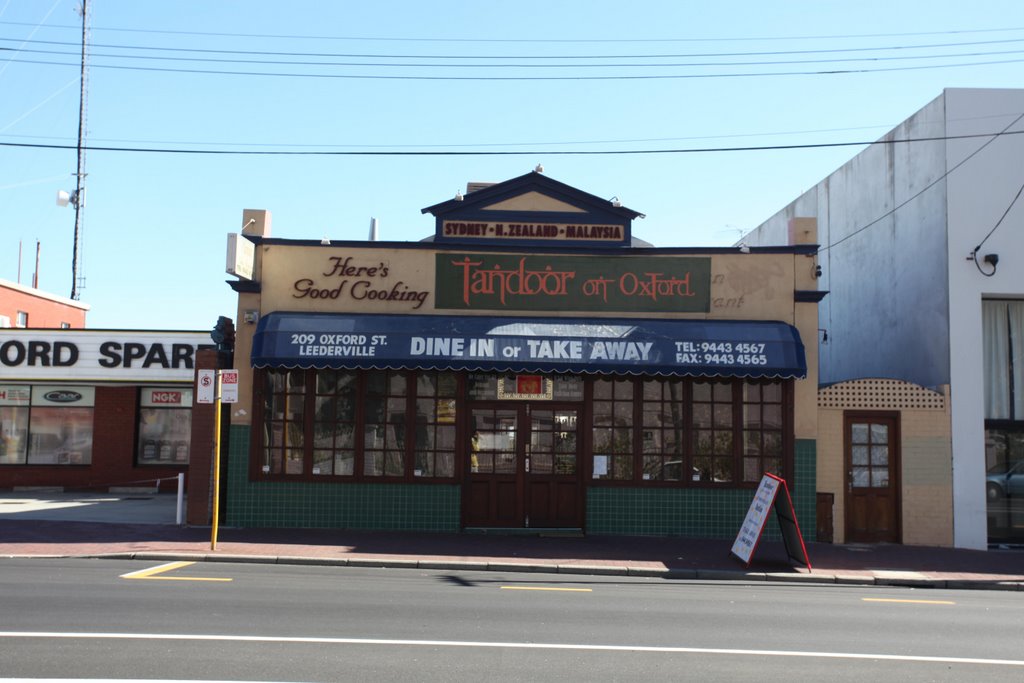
528,77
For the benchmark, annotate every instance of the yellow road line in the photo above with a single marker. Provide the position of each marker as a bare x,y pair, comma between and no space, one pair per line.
917,602
541,588
170,566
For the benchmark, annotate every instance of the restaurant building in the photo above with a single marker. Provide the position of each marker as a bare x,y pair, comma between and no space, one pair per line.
531,365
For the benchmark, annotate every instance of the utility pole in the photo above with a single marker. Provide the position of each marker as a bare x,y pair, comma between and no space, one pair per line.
77,280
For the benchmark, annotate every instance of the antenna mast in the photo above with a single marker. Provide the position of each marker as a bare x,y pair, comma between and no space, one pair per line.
77,279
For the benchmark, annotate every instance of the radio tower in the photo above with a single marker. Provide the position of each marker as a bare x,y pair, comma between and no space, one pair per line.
77,278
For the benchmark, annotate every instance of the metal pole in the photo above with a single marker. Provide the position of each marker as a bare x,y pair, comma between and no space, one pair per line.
80,171
181,499
216,462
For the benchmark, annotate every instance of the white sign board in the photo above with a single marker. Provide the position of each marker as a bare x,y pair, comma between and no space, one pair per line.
241,256
229,386
206,386
757,514
49,355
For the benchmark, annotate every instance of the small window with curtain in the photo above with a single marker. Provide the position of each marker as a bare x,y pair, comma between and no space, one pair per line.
1003,355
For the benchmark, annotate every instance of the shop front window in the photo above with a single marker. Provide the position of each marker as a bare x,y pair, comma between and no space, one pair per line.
612,432
435,425
1003,357
60,436
284,422
358,424
334,423
762,430
165,426
14,410
664,431
60,426
692,432
386,424
713,432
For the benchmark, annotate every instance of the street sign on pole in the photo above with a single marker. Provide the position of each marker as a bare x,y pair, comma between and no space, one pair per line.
206,386
229,386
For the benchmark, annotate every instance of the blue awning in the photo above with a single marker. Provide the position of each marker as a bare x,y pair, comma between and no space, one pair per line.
708,348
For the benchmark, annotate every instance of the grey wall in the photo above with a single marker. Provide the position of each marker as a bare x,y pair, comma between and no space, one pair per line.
887,312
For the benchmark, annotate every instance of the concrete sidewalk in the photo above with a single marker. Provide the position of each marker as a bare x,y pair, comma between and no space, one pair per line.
140,526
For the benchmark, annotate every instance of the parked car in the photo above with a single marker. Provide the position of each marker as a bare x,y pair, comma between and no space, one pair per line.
1006,479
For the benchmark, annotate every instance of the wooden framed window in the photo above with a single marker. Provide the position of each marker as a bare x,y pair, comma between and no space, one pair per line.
714,431
386,424
334,423
284,414
664,431
435,425
762,430
612,431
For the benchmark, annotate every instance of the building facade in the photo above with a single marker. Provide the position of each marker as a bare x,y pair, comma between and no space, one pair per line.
95,409
527,367
919,238
22,306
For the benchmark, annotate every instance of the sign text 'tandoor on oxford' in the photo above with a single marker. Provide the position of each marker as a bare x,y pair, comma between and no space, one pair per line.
572,283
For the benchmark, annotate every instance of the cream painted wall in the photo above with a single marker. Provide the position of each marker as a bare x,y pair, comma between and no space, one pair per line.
926,458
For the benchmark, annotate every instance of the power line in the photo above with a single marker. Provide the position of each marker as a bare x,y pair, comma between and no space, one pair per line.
725,136
770,53
533,40
885,126
622,77
994,136
420,65
694,150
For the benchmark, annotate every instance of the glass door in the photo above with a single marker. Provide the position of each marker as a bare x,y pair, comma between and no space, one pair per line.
523,467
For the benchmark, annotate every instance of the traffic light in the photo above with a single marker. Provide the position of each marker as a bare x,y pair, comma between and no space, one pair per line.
223,334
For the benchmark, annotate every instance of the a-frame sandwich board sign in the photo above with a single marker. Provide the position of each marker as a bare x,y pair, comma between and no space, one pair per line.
767,497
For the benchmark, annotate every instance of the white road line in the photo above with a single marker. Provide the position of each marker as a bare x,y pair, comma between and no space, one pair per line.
520,646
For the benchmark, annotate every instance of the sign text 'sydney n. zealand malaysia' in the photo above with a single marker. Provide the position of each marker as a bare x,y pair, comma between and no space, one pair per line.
563,232
344,278
572,283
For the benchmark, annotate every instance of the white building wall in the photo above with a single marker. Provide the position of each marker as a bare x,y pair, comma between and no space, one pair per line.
979,191
896,224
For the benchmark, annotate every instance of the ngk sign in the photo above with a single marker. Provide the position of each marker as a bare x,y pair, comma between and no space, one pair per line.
102,355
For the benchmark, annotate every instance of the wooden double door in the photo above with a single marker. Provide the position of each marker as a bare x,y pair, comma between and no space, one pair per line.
524,467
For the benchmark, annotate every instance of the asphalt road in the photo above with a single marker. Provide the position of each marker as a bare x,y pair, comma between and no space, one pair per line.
119,619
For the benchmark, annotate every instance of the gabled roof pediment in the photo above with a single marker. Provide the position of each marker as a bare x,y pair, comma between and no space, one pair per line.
532,209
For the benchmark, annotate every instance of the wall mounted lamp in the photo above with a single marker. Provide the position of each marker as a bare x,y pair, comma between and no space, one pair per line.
989,259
